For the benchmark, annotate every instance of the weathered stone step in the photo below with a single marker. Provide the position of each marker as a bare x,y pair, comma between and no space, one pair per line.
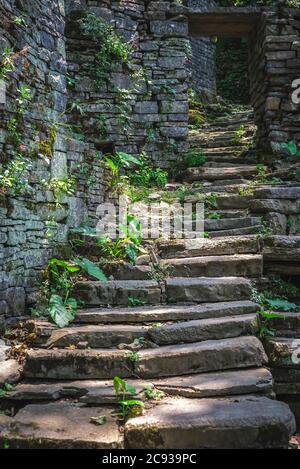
208,247
158,314
117,292
199,290
233,201
277,248
235,423
213,174
217,266
231,223
283,352
205,329
62,425
288,325
207,289
282,268
237,231
95,336
171,360
223,383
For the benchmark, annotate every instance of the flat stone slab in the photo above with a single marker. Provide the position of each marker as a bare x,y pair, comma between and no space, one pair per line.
150,314
96,336
205,329
205,289
208,247
223,383
284,352
288,325
62,425
10,372
277,193
233,423
233,201
216,266
282,248
230,223
287,207
200,357
169,360
213,174
117,292
94,392
77,364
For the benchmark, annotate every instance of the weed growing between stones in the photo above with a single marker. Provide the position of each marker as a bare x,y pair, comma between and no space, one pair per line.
56,302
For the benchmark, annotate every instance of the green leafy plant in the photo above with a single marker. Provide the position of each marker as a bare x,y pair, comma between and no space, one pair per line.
6,388
117,162
61,277
61,187
127,407
135,302
153,394
127,246
264,317
112,51
7,63
99,420
134,356
194,158
291,148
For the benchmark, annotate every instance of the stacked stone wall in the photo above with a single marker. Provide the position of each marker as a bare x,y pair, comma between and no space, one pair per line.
274,67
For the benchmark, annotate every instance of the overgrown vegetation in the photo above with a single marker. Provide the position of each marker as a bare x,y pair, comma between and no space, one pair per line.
56,302
274,302
127,407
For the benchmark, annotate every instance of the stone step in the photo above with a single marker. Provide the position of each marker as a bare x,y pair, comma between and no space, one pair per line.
231,223
201,290
213,174
205,329
285,248
234,188
220,266
95,336
170,360
200,247
288,325
237,231
221,151
222,383
283,352
117,292
207,289
111,336
235,423
282,268
62,425
226,202
158,314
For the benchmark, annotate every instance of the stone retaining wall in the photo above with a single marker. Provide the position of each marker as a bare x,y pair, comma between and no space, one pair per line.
203,59
274,65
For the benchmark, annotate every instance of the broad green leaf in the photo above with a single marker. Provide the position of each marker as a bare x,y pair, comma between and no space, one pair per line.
119,384
131,252
59,313
92,269
281,304
64,264
99,420
130,389
132,402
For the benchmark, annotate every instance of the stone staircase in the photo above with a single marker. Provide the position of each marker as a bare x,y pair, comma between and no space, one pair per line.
194,338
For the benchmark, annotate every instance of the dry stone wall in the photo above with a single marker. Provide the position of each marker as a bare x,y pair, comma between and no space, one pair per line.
274,66
203,58
60,137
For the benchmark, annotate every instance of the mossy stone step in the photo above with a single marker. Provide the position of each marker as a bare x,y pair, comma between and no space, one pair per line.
235,423
171,360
